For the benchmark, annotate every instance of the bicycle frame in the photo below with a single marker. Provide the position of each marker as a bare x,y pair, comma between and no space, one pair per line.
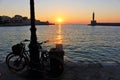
22,60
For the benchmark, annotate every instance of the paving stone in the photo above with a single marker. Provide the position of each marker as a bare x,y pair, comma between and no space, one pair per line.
74,71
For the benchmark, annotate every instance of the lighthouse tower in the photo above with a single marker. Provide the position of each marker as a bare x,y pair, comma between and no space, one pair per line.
93,21
93,16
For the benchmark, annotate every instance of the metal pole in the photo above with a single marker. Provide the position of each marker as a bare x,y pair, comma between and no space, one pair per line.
33,47
33,29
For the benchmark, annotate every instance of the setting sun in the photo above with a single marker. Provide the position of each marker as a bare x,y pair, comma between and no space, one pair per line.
59,20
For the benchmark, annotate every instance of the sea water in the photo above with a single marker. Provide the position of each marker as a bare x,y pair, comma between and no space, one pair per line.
80,42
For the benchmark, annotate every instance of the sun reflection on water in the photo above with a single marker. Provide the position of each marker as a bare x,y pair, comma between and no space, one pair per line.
58,39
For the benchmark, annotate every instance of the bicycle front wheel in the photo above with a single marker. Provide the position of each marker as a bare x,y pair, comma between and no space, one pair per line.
16,62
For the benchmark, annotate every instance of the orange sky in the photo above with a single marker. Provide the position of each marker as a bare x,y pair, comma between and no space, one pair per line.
71,11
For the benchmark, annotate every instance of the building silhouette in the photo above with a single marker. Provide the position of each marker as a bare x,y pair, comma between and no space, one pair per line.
19,20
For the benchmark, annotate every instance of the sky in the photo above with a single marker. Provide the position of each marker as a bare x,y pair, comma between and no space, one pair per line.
70,11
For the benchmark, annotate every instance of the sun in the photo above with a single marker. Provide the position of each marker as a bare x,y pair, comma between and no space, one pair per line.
59,20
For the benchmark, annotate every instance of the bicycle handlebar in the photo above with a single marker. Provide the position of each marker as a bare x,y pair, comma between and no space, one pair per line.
44,42
26,40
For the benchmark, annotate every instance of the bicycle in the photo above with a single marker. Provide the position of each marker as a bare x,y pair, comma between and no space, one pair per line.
19,58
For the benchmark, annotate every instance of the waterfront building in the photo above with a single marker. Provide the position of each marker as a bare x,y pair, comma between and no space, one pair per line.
5,19
17,19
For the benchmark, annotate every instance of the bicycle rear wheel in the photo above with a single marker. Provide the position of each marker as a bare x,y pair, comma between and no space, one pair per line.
16,62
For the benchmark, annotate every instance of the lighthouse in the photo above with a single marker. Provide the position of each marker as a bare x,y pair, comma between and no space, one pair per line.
93,16
93,21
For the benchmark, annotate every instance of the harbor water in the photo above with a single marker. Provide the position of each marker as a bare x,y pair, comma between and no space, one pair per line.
80,42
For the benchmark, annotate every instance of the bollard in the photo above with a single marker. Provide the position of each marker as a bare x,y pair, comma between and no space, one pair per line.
57,59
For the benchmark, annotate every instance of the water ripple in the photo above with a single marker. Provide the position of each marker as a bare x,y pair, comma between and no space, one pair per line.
80,42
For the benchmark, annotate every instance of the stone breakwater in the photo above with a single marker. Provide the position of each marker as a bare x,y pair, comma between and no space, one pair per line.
75,71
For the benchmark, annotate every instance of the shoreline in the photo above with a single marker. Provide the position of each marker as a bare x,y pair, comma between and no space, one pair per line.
12,25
